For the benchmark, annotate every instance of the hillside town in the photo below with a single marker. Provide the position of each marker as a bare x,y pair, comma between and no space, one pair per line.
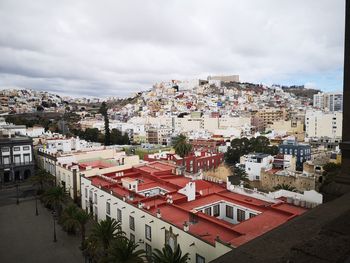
209,161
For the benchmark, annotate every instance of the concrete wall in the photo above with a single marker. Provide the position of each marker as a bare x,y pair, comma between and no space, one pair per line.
300,182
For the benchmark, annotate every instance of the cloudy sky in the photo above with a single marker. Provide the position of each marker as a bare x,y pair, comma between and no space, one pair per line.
103,48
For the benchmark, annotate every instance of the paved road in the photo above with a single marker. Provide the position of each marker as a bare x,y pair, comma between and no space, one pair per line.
27,238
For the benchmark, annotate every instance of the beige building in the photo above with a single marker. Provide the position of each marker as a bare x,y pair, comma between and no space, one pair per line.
323,124
270,115
289,127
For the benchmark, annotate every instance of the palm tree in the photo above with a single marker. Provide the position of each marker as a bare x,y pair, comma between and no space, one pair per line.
182,148
40,178
54,197
68,218
83,218
122,250
105,231
285,187
167,255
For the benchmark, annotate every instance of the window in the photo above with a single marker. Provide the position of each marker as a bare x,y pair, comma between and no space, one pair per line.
90,195
132,237
26,158
108,217
207,211
6,160
229,211
108,208
240,215
16,148
216,209
148,232
26,148
86,193
251,215
119,215
148,249
200,259
95,198
5,149
17,158
132,223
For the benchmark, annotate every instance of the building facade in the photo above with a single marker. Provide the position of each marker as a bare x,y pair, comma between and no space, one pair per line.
302,152
16,159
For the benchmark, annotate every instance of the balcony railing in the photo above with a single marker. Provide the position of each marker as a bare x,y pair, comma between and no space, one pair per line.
16,164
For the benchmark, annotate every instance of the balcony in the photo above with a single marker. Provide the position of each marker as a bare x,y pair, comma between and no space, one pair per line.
17,164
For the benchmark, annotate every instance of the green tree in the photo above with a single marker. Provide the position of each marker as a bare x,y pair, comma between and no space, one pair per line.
41,178
74,218
54,197
285,187
238,148
105,231
241,174
104,111
167,255
68,218
182,148
122,250
83,218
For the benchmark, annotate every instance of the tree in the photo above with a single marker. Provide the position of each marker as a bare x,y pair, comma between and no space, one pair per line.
68,218
104,111
240,147
105,231
182,148
167,255
83,218
54,197
75,218
240,173
122,250
285,187
40,178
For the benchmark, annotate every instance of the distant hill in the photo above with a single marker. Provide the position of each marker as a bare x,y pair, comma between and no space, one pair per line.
301,91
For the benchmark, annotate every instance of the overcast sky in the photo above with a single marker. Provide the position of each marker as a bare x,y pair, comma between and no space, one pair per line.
103,48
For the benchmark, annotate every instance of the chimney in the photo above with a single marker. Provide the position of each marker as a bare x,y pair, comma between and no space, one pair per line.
186,226
159,215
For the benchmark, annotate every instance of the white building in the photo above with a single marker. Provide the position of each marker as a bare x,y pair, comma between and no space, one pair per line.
253,163
323,124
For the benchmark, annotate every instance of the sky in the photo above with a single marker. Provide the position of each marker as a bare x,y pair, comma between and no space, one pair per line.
116,48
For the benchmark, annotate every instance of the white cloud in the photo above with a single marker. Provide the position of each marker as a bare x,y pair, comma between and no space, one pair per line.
117,47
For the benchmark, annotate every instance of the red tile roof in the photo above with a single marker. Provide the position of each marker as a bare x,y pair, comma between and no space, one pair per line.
207,228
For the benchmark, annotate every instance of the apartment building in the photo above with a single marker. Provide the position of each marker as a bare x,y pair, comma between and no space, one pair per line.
301,151
323,124
155,206
328,101
268,116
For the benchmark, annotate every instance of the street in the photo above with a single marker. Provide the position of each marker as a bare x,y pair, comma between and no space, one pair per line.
25,237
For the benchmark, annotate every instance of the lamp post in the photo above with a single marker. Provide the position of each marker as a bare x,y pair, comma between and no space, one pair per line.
17,194
36,204
54,226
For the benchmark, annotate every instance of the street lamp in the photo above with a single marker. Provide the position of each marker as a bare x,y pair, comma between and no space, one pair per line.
36,204
54,226
17,194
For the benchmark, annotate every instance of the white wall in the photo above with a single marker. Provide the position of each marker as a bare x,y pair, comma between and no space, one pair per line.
142,217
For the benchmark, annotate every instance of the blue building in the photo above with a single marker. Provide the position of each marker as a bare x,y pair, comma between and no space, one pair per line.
302,152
